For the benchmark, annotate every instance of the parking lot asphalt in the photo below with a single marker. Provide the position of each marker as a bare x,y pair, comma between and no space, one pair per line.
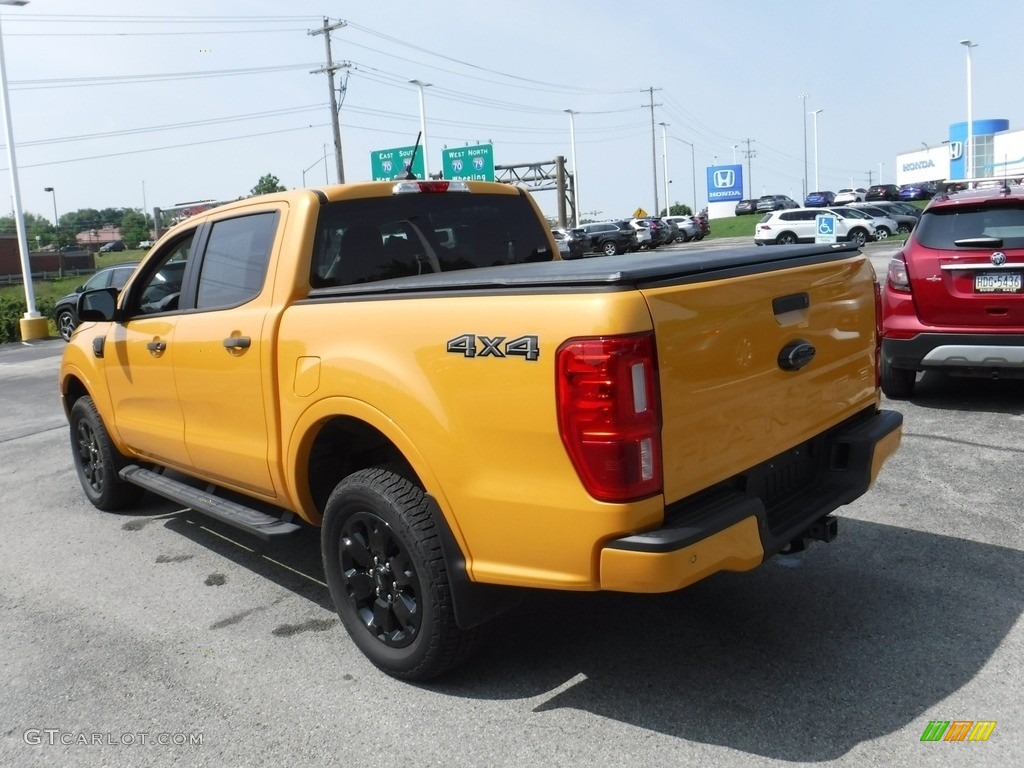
122,631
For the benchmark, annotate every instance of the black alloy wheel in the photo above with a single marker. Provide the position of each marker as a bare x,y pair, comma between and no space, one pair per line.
97,462
388,577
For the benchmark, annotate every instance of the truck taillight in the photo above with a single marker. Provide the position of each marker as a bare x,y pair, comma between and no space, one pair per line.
609,414
897,276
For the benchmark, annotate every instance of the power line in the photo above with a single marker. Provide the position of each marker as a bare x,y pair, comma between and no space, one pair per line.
168,146
170,126
77,82
526,80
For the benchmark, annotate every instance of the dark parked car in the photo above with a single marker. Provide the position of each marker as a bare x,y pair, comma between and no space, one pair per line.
64,314
72,250
819,199
112,246
923,190
572,243
882,192
767,203
671,230
744,207
953,298
661,232
611,237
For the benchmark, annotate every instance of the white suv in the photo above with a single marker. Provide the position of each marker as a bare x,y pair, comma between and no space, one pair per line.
847,195
643,232
798,225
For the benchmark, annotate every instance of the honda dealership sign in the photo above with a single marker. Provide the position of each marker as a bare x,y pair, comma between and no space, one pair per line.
725,183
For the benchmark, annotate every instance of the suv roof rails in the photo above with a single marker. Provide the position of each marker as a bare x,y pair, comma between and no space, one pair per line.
978,182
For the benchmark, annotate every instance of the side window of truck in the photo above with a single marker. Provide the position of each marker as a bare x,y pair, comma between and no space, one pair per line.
235,261
160,287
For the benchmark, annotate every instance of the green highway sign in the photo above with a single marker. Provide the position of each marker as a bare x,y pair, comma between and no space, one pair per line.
391,164
474,163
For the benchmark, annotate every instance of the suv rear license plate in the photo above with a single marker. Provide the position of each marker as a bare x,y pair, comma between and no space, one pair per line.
998,282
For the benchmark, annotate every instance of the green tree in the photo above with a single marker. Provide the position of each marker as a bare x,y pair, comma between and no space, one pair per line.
134,227
35,226
266,184
678,209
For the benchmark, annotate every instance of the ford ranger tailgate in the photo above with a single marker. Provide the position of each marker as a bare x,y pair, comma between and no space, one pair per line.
759,360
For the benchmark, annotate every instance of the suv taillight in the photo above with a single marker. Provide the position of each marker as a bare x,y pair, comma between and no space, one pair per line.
609,414
897,275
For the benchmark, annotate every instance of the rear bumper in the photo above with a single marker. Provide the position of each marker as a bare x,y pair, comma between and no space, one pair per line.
752,516
986,351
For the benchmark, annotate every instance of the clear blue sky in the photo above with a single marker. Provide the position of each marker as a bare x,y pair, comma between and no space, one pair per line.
198,99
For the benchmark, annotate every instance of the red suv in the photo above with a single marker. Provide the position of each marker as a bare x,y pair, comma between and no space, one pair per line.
954,296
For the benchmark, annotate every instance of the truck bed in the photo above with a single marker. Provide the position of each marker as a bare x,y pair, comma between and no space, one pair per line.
629,269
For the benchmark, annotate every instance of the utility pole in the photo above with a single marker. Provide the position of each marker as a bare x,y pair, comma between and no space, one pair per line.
654,148
749,153
330,70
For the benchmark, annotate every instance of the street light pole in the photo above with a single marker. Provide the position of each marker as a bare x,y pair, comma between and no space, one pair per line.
693,173
969,148
734,153
575,169
880,171
54,194
664,149
33,325
423,126
817,184
803,111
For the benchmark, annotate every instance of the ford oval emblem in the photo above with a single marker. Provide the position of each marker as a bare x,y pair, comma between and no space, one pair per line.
796,355
998,258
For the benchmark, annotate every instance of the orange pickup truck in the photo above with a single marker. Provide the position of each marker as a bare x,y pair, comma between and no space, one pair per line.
409,367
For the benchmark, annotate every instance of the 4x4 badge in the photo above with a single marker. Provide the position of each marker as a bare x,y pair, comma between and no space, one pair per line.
998,258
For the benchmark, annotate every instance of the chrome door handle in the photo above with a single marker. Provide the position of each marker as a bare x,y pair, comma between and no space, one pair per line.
156,347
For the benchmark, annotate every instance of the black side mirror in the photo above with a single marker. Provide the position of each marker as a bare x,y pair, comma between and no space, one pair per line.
99,305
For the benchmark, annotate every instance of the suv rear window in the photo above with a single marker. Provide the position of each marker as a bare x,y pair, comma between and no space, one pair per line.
941,227
404,235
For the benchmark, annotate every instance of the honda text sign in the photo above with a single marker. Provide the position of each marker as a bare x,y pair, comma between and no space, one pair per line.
725,183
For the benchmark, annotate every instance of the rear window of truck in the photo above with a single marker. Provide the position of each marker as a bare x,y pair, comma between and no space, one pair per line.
405,235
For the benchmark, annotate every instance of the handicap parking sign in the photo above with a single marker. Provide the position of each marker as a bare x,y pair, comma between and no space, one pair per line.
825,229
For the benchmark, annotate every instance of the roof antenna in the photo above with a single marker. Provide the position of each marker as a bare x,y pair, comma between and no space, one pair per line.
409,175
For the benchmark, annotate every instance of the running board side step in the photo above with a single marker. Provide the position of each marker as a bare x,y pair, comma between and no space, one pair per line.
266,527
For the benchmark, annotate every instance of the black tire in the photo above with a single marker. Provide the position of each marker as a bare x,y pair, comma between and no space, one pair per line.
97,462
388,576
786,238
66,323
882,233
610,248
897,383
858,236
904,229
